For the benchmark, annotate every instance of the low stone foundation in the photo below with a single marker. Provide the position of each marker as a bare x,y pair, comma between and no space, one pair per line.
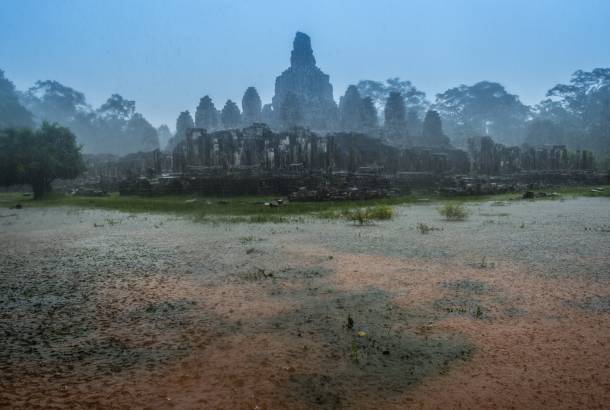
343,186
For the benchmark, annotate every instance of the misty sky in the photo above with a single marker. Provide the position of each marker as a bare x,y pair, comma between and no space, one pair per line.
167,54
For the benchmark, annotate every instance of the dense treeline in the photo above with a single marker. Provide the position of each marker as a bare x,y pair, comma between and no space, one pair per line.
115,127
576,114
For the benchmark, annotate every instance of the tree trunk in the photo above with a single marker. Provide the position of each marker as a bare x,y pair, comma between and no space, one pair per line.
41,188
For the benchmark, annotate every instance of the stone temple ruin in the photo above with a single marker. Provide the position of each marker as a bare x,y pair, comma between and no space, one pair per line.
304,88
300,153
301,163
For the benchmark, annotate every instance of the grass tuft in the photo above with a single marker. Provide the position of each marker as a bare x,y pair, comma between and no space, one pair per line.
424,228
367,215
453,211
250,209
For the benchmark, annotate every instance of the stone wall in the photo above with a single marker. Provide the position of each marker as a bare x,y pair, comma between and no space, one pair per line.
490,158
258,150
257,160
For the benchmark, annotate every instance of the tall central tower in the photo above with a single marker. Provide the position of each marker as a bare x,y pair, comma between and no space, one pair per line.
304,82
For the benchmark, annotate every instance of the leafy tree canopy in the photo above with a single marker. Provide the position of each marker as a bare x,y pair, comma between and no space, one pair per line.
542,131
142,135
109,129
55,102
37,157
12,113
117,107
485,108
380,91
582,107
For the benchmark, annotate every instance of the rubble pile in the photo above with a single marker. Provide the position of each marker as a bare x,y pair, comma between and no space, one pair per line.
335,194
460,185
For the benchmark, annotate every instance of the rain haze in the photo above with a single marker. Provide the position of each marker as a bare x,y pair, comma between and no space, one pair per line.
304,205
166,55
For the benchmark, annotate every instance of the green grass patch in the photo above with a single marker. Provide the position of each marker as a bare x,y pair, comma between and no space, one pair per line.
251,209
369,214
602,191
240,209
453,211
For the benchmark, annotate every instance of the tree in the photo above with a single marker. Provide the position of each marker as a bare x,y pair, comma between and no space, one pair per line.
55,102
380,91
105,130
140,134
251,106
395,116
552,110
369,114
586,108
110,125
117,107
206,115
485,108
351,110
432,132
230,115
108,129
12,113
291,113
414,98
37,157
541,131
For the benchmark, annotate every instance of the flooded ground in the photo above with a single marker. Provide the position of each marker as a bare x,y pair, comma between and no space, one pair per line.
510,308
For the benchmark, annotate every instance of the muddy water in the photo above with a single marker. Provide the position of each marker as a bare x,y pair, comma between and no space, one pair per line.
510,308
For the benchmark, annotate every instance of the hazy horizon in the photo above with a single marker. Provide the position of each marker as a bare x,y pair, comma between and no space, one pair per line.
166,56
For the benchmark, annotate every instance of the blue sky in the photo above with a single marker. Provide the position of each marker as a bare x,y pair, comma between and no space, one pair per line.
167,54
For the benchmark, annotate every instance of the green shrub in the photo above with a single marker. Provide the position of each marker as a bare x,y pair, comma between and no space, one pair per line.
453,211
367,215
359,215
381,212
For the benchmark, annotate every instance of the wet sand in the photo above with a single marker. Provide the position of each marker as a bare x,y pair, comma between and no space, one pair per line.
509,309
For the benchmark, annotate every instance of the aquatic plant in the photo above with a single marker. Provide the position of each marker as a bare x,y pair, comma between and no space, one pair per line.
453,211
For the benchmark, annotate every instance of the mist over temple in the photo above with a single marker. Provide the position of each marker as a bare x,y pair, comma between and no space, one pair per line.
395,112
401,205
382,135
306,146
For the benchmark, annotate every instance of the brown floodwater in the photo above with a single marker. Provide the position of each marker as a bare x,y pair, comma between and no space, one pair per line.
508,309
